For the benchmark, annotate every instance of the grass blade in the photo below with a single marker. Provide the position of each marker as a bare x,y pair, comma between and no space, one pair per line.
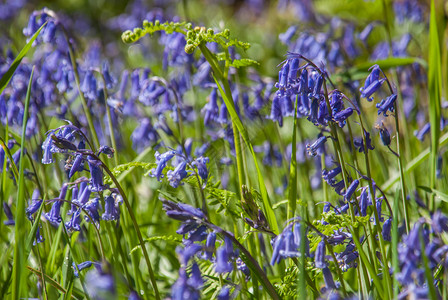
20,227
8,75
434,85
264,194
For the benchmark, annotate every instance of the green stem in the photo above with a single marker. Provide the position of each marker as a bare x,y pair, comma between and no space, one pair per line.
136,228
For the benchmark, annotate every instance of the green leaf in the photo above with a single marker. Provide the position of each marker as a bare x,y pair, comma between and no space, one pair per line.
8,75
243,62
242,130
20,226
434,192
435,92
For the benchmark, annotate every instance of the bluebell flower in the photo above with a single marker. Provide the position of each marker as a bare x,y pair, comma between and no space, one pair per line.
359,143
223,115
224,294
365,33
286,37
76,166
371,89
96,181
33,207
211,109
341,116
364,201
201,164
223,265
210,246
83,194
39,237
276,111
312,149
84,265
385,232
100,284
328,278
89,85
329,176
75,221
111,209
182,212
92,208
182,290
195,279
439,222
110,80
8,213
338,187
386,105
420,134
54,216
161,161
49,32
384,135
144,135
351,189
188,252
319,255
175,177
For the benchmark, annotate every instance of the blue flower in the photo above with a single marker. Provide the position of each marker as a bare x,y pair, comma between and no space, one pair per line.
8,213
175,177
341,116
319,255
387,226
211,109
224,294
92,209
223,265
313,148
371,89
161,160
386,105
112,209
96,181
54,216
34,205
384,135
276,111
351,189
75,221
200,164
89,86
76,166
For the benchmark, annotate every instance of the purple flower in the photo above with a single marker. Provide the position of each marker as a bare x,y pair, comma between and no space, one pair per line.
276,111
224,294
89,86
161,160
182,212
319,255
175,177
54,216
76,166
329,176
386,105
223,265
384,135
92,209
341,116
211,109
200,164
351,189
371,89
112,209
75,221
96,182
312,149
34,206
195,279
8,213
387,226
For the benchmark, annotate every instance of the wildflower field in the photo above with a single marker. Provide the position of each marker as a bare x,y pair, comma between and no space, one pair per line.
223,149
